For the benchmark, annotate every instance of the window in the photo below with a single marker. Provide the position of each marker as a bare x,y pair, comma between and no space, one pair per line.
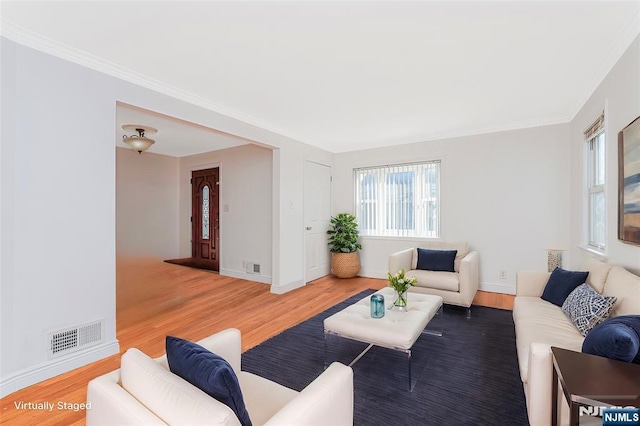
595,194
399,200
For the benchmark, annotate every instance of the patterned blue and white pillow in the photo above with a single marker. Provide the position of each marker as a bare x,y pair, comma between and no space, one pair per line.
586,308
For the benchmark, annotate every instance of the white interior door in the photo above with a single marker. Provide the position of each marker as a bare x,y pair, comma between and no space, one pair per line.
317,213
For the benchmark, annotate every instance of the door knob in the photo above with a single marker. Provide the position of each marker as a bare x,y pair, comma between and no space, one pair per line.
308,228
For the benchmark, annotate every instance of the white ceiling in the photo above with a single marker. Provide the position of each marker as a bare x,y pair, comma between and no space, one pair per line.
175,137
349,75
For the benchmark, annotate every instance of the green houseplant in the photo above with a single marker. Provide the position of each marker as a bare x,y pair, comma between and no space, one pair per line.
344,245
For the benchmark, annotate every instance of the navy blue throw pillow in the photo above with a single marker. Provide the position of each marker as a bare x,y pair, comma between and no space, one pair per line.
436,260
615,338
561,283
208,372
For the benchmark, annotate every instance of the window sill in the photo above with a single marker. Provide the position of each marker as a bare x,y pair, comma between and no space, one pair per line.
600,255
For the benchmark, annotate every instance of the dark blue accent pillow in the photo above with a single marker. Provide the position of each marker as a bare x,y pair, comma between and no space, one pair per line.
615,338
208,372
561,283
436,260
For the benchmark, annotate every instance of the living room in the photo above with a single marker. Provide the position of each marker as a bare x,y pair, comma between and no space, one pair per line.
512,190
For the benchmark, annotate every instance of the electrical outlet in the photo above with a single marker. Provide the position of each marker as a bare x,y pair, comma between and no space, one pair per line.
503,274
244,264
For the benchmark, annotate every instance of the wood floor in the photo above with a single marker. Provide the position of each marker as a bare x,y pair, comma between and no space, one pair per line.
155,299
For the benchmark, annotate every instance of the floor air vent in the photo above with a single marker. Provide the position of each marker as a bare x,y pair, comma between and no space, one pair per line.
73,339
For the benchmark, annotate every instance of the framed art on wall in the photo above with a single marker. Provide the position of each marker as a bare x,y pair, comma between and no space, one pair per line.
629,183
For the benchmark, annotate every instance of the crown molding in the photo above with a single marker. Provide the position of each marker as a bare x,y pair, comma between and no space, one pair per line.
34,40
627,35
460,133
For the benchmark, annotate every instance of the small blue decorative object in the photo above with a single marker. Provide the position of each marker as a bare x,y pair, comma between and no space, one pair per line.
377,306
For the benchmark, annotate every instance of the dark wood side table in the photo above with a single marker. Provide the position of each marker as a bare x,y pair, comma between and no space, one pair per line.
592,380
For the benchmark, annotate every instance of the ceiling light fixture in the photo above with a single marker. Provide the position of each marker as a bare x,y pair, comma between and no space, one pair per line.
138,142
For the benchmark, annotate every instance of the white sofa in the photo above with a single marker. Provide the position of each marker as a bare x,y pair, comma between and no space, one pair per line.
540,325
144,392
455,288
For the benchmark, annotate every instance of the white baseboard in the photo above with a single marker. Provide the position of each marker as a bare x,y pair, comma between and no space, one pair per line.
55,367
508,288
245,276
286,288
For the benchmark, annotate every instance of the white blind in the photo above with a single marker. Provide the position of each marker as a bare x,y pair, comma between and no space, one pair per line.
596,127
398,200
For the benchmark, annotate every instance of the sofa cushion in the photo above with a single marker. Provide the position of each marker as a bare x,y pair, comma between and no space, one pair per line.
436,260
560,284
586,308
207,371
615,338
168,396
539,321
598,272
436,279
626,287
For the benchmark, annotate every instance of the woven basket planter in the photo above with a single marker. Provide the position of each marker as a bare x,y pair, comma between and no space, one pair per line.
345,265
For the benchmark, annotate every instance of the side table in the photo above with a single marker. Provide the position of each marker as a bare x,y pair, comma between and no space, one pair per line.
592,380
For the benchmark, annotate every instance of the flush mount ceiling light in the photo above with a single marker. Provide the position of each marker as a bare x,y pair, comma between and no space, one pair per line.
138,142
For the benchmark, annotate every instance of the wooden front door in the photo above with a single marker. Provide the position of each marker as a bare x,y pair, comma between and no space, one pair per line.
205,217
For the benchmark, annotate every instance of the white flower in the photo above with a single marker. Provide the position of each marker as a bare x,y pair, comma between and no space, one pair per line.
400,281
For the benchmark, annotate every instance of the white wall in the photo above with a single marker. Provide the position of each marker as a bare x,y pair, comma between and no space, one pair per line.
506,194
288,226
8,132
246,189
46,102
146,205
619,96
58,203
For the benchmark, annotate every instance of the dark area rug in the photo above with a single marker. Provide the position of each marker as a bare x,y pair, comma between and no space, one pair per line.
469,376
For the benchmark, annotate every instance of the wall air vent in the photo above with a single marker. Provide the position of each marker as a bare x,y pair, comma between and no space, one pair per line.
62,342
253,268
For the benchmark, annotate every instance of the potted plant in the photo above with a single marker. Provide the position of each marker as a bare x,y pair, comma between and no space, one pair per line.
344,246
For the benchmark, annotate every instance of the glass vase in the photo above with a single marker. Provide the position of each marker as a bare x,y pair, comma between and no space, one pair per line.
400,303
377,306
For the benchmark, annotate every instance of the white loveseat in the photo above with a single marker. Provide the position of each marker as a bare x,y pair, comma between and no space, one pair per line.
455,288
540,325
144,392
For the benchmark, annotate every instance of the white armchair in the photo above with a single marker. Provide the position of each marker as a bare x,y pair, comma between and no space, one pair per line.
154,395
455,288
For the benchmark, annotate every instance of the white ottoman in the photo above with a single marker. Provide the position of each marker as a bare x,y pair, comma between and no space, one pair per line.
396,330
